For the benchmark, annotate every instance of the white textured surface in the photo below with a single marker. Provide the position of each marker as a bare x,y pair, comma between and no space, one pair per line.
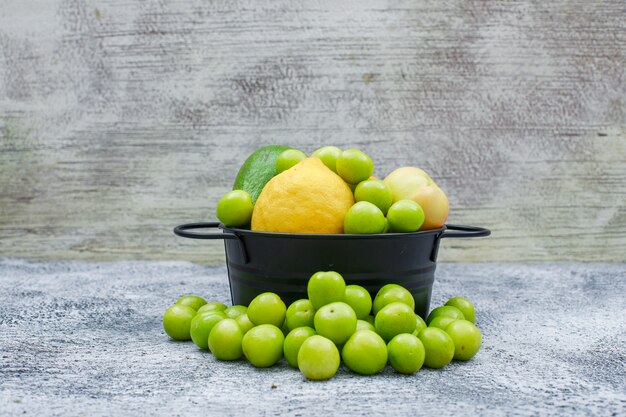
86,339
120,119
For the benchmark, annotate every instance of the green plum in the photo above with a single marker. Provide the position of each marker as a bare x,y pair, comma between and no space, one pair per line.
405,216
192,301
364,325
293,341
212,306
201,326
466,337
235,311
225,340
235,209
393,319
288,159
375,192
299,314
419,325
466,307
365,353
263,345
354,166
244,322
177,321
318,358
335,321
391,293
447,311
438,347
267,308
328,155
325,287
359,299
406,353
441,322
364,218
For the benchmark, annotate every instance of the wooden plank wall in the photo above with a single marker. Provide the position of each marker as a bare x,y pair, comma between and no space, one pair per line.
120,119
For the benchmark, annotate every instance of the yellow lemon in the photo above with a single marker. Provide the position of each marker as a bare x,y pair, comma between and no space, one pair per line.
307,198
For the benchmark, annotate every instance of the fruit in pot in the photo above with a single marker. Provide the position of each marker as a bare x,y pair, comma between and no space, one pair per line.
405,216
354,166
235,209
328,155
364,218
376,192
308,198
412,183
288,158
258,169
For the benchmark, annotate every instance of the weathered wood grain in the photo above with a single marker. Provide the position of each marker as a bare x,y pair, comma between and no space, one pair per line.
120,119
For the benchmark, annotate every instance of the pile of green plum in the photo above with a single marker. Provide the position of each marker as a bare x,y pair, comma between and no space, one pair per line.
337,322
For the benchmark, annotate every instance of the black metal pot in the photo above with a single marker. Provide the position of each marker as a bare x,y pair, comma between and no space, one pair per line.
283,262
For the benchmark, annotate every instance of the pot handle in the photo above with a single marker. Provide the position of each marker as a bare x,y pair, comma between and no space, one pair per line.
184,231
464,231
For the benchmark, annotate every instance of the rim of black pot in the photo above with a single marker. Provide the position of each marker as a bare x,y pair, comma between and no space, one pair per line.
447,230
388,235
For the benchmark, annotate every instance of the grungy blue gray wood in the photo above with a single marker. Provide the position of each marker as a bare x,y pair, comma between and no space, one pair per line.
120,119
